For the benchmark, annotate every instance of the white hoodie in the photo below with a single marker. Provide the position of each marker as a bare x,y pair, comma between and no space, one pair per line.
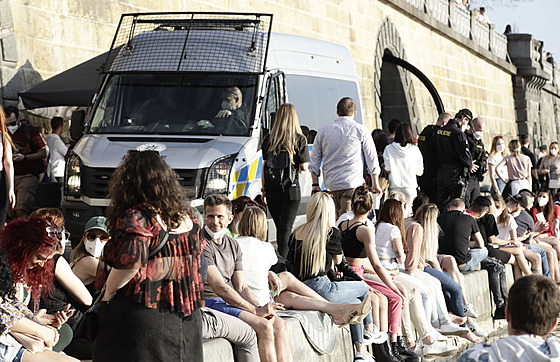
524,348
404,164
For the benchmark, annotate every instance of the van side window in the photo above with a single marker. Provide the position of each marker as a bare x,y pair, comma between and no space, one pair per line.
274,98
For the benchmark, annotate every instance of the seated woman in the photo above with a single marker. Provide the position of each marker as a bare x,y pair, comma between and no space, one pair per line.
544,205
30,245
67,289
15,317
313,247
259,256
85,257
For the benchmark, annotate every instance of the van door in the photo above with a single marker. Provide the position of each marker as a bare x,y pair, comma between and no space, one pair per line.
275,96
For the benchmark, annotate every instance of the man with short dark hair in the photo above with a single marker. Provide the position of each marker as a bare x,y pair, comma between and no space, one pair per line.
392,128
29,151
454,158
341,147
57,150
532,314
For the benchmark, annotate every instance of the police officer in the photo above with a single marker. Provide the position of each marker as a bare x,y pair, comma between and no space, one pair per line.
479,157
454,159
427,146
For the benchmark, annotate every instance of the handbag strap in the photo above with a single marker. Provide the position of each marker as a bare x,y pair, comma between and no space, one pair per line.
161,244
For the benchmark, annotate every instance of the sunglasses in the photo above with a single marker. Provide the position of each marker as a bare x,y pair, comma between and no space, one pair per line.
93,236
56,232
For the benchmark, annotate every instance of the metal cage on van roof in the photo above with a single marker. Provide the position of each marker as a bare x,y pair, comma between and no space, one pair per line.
190,42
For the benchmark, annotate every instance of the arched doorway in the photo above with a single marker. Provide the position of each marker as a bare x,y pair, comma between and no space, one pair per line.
394,103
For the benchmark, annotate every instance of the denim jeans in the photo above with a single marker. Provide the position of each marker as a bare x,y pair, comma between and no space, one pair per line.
343,293
452,291
497,280
545,267
477,255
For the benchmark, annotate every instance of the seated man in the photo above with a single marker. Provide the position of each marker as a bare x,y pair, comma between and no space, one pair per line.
458,228
225,289
531,314
232,106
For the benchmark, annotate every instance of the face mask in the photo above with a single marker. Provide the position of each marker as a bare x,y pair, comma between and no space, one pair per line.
478,135
500,148
542,201
94,247
516,213
215,235
542,154
13,128
554,152
227,106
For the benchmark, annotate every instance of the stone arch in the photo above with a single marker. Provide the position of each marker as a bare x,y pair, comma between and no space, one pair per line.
393,91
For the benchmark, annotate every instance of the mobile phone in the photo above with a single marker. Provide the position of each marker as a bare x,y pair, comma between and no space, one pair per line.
71,310
540,217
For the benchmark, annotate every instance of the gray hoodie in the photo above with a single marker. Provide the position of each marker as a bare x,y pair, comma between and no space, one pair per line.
524,348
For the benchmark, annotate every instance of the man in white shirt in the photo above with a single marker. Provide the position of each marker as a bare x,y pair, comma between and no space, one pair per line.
57,150
342,147
482,17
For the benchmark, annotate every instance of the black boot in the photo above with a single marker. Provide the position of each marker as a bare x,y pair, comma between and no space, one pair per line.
400,348
383,353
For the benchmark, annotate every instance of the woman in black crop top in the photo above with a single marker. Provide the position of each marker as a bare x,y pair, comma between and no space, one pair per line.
313,247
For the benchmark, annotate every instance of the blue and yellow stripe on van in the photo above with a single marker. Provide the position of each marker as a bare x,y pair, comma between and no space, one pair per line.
244,177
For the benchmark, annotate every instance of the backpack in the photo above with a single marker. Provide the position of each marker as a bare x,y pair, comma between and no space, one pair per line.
279,172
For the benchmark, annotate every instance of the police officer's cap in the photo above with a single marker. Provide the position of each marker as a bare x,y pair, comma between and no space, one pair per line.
464,113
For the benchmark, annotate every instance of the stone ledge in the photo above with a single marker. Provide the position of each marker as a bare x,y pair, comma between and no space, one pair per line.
478,293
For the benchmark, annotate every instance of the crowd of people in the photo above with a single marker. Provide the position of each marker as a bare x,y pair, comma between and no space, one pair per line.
392,224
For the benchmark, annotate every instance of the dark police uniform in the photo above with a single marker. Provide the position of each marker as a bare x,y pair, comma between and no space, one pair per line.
479,156
427,146
455,161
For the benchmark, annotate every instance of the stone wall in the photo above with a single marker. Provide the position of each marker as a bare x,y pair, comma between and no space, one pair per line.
464,59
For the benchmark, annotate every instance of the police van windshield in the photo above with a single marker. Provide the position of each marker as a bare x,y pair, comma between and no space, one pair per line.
193,104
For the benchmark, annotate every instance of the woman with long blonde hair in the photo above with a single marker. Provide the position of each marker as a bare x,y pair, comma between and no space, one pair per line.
7,193
497,174
313,248
285,154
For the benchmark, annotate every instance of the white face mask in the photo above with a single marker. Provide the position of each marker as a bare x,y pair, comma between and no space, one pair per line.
554,152
542,201
215,235
94,247
478,135
13,128
500,147
227,106
542,154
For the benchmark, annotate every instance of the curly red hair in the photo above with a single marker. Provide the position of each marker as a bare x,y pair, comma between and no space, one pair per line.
20,240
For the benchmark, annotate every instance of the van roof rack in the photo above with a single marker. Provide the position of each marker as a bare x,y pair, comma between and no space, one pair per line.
190,42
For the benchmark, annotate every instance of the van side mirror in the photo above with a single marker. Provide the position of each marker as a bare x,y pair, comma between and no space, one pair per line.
77,124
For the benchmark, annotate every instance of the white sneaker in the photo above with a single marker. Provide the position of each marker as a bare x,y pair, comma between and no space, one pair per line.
364,357
376,336
438,349
469,311
438,336
452,329
475,328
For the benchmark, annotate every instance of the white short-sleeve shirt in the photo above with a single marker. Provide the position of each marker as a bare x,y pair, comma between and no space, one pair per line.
384,235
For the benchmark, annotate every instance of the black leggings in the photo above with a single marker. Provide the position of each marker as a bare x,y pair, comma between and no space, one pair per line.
4,202
283,212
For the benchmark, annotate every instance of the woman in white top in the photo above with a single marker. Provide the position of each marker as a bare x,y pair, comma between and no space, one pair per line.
403,163
551,165
284,288
519,168
497,174
57,150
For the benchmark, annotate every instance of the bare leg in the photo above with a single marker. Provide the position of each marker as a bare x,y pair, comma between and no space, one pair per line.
552,258
520,259
265,335
516,271
533,258
449,265
282,340
552,241
47,356
383,313
291,283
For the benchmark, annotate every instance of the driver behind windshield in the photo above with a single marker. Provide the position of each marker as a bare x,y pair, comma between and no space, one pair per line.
232,106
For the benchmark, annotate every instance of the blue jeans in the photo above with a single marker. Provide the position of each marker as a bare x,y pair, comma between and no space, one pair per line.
452,291
477,255
536,249
343,293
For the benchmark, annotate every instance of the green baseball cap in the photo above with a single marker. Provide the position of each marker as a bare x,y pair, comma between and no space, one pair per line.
97,222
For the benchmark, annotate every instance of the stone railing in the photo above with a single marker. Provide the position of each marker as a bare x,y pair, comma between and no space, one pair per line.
439,10
450,14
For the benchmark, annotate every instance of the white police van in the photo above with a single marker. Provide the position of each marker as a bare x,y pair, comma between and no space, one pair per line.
163,85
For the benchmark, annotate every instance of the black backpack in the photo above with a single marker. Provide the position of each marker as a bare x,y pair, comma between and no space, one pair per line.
279,172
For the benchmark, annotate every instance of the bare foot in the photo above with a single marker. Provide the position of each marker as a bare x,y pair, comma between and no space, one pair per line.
457,320
472,337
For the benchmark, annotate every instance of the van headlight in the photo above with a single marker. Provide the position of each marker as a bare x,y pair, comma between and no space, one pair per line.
217,179
73,176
